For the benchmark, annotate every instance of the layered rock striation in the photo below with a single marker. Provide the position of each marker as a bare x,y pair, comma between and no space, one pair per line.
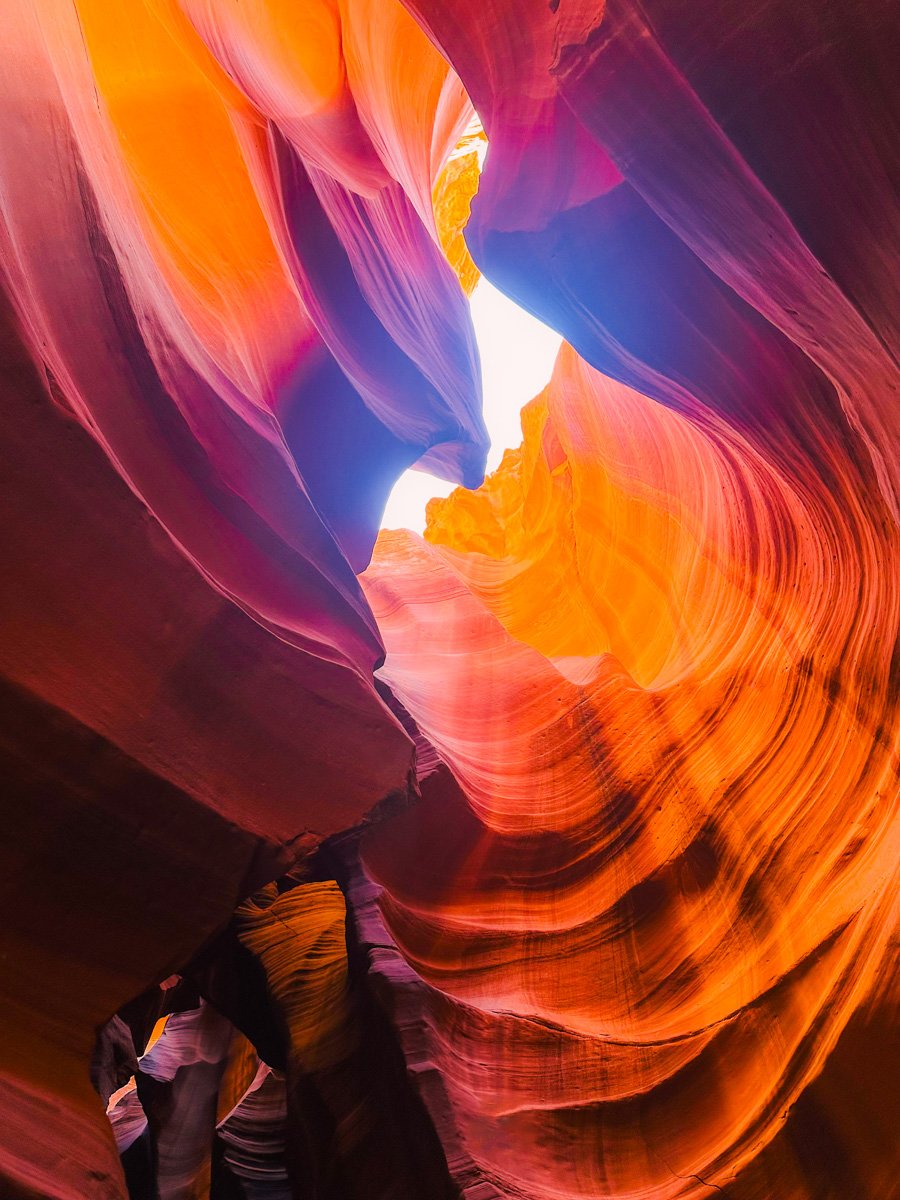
593,894
228,325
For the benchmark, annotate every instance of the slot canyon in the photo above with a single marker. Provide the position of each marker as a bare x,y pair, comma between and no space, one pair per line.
550,853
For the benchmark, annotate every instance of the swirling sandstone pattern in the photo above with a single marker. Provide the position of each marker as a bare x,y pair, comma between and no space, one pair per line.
628,929
228,326
654,896
662,863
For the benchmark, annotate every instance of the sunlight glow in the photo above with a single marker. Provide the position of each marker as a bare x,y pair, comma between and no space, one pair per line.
517,357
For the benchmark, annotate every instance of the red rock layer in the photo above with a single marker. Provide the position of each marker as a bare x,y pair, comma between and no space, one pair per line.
275,1074
640,920
666,859
145,717
227,326
652,894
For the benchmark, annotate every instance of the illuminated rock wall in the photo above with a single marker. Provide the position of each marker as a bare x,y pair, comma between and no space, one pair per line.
627,931
228,325
651,903
654,901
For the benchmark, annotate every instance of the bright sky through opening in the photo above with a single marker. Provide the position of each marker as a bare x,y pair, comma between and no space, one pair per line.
517,357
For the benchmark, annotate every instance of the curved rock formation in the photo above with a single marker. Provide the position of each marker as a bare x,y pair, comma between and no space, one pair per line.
626,925
228,326
665,859
653,891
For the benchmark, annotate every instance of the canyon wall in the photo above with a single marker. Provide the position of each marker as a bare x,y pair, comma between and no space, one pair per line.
552,855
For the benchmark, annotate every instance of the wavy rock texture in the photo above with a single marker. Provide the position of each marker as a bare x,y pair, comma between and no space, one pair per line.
275,1074
627,931
652,894
228,325
665,860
